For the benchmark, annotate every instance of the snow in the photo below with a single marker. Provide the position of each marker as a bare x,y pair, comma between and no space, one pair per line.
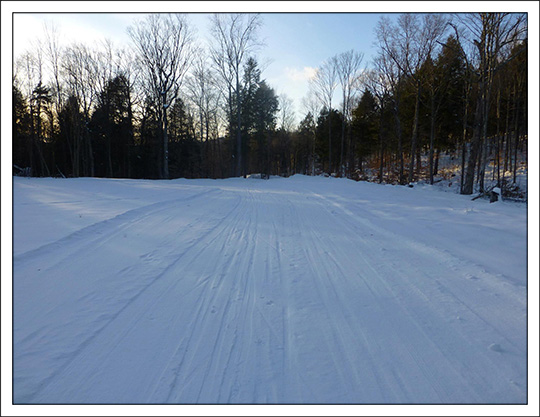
304,290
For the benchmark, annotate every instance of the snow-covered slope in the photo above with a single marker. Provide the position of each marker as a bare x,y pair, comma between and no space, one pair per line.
298,290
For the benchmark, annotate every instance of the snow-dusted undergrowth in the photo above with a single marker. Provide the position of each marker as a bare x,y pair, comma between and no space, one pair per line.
298,290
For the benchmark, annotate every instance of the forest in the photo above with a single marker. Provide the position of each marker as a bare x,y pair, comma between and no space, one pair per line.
166,107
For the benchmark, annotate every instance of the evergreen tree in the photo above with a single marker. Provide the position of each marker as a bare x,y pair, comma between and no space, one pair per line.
260,105
148,143
70,138
112,128
305,144
323,144
364,127
21,133
185,149
41,121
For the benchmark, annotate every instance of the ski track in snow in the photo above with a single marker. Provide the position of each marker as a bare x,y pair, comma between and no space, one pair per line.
280,291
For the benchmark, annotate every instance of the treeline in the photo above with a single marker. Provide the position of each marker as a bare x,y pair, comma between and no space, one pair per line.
168,108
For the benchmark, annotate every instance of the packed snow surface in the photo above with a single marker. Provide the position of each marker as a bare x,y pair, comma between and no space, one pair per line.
297,290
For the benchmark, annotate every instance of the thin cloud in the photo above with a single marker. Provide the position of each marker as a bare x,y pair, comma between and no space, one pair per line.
304,74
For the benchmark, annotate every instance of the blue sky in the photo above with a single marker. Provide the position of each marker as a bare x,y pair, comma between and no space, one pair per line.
295,43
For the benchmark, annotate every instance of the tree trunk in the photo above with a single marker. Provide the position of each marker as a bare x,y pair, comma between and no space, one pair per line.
313,153
414,138
475,149
516,138
498,150
464,138
418,161
480,175
463,158
350,151
431,140
381,146
90,155
165,174
131,140
341,168
400,144
486,147
209,172
330,139
436,169
109,158
238,130
505,140
486,101
76,149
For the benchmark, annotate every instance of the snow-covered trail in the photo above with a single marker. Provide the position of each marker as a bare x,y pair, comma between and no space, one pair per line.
300,290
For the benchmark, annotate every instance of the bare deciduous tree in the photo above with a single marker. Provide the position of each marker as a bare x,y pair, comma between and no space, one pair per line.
234,39
204,96
286,113
408,43
80,68
54,53
491,34
323,85
392,76
379,84
312,107
164,45
348,67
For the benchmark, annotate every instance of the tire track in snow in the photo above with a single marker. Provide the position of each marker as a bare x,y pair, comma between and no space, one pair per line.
242,260
240,316
251,371
272,301
340,310
443,258
244,267
85,239
296,385
348,317
324,280
205,299
200,324
134,321
295,388
251,363
470,373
